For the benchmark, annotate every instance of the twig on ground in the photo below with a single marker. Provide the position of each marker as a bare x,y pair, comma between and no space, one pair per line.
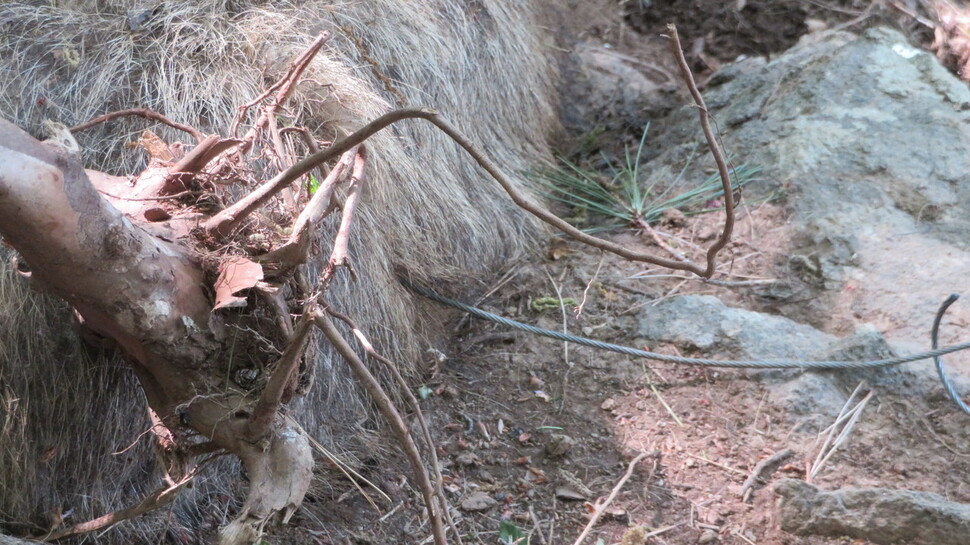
645,226
140,112
552,521
663,402
852,416
579,308
742,283
758,473
601,508
565,345
538,526
392,511
829,432
711,281
738,534
348,472
488,293
673,291
663,530
386,406
160,497
718,464
628,289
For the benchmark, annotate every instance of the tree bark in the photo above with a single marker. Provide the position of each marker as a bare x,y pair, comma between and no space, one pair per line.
148,295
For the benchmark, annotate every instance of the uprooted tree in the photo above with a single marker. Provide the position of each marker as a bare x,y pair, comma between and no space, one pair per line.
159,265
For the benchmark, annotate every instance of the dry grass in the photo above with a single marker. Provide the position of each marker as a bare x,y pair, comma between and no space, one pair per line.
61,418
429,212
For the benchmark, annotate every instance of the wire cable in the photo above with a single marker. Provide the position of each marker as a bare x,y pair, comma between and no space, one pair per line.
947,384
736,364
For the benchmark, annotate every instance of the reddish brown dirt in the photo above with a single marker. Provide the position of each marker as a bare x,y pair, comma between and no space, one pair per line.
708,428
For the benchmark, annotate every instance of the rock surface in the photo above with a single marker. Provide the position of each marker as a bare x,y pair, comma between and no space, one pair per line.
866,138
879,515
702,322
705,324
477,501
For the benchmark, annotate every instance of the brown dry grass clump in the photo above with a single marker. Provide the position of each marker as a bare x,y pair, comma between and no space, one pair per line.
428,213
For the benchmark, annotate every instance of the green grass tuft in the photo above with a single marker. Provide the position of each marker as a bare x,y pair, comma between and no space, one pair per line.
623,199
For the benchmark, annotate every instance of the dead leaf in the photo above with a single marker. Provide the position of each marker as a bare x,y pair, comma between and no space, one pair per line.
557,250
236,275
568,494
157,149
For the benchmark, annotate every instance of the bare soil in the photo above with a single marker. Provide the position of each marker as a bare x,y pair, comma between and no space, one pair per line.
708,428
546,430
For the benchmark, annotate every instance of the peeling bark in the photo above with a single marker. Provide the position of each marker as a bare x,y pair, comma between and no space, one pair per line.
148,295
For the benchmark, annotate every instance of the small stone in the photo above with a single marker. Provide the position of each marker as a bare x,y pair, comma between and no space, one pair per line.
558,445
815,25
609,404
477,501
709,536
707,233
466,459
448,391
674,218
617,515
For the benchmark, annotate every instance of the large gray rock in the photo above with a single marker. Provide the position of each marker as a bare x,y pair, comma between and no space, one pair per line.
704,324
879,515
867,138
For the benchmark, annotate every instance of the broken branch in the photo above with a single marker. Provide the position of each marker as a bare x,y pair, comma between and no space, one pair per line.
140,112
601,508
764,466
225,221
339,256
415,405
386,406
294,251
160,497
722,168
265,410
285,86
